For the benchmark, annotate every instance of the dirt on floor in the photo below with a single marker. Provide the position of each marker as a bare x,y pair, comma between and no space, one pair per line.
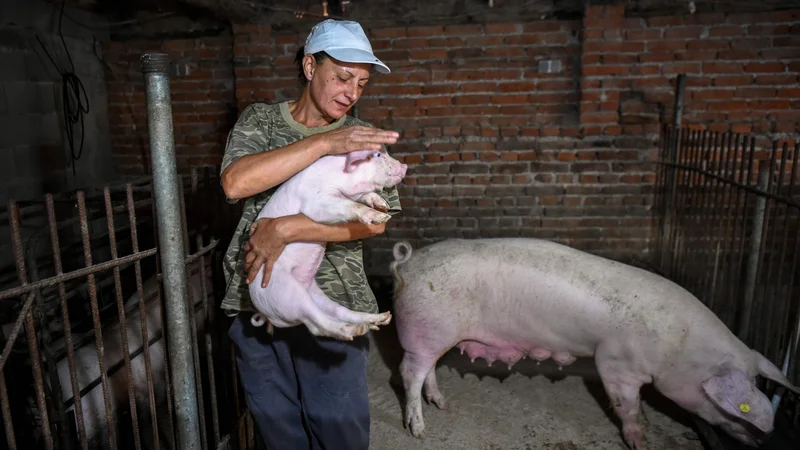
529,407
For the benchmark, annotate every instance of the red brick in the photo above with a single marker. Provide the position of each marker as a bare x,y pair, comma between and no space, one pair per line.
463,29
789,92
644,35
660,46
765,67
726,31
691,32
604,70
424,31
722,67
599,117
387,33
713,94
502,28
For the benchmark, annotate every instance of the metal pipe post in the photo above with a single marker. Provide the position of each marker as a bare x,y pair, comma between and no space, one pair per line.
754,258
155,68
672,173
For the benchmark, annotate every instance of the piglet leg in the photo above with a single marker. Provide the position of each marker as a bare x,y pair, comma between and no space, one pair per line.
332,209
343,314
297,306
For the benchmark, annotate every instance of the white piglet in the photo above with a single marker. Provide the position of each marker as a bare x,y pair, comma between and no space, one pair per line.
334,189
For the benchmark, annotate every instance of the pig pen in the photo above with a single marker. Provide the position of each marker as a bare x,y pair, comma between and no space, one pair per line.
78,264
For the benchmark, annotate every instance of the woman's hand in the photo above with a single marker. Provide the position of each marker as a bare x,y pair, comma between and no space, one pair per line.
351,138
264,247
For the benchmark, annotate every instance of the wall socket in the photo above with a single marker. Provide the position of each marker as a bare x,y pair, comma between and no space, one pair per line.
549,65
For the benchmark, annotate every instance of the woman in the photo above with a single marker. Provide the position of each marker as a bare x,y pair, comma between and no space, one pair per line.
303,391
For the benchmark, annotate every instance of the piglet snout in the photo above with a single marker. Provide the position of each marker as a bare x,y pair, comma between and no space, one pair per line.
402,170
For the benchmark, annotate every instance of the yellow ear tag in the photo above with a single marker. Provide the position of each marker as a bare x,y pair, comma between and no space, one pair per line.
744,407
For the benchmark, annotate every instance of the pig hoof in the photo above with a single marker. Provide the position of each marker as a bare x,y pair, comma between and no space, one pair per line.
438,400
382,218
257,320
417,428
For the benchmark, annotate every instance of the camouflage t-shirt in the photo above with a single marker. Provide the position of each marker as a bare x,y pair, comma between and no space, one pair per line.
263,127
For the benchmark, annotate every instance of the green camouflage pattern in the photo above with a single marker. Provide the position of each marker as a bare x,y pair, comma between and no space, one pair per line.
265,127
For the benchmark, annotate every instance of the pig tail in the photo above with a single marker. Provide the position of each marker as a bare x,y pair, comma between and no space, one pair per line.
399,258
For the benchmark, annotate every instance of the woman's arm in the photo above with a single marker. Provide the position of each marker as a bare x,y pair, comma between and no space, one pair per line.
257,172
270,236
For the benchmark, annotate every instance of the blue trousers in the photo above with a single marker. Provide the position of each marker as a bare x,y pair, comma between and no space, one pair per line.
304,392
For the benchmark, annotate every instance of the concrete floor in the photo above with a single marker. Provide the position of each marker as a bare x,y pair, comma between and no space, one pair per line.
529,407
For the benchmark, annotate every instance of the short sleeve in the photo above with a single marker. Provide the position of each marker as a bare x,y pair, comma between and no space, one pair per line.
248,136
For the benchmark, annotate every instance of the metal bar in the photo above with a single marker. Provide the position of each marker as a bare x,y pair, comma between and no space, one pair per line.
195,338
19,257
209,349
769,305
98,332
89,270
73,376
754,255
123,324
142,315
53,390
794,334
15,330
671,175
7,420
155,68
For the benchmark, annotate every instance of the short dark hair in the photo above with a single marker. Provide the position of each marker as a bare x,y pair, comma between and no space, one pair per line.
298,58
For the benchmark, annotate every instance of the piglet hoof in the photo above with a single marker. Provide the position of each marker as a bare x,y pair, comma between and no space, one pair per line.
375,201
373,217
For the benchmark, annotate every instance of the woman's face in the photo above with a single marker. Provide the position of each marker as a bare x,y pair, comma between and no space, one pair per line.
335,86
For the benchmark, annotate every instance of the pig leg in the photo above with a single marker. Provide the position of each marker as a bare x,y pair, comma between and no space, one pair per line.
622,385
299,307
331,209
432,393
414,369
374,201
343,314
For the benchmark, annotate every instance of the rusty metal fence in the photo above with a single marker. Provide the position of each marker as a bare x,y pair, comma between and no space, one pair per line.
727,227
88,335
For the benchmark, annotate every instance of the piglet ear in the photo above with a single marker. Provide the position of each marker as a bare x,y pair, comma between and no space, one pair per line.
355,158
735,394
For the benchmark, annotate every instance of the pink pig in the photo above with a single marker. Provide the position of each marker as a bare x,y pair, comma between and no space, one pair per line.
505,299
334,189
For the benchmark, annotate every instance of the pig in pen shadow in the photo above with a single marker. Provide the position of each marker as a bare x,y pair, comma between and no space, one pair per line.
59,422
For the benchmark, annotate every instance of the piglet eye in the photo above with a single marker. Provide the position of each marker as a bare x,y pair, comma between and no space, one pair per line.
377,154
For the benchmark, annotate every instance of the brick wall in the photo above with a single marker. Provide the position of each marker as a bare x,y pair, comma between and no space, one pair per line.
203,102
497,148
742,70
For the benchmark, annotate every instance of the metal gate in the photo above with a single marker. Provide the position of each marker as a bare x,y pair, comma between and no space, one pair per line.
83,287
727,228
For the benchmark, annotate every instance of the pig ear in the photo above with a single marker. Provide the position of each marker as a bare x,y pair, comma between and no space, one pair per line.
355,158
768,370
736,395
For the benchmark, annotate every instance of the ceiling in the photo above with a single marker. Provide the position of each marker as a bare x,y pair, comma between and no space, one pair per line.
287,14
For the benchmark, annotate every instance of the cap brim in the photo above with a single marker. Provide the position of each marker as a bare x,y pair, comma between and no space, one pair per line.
353,55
